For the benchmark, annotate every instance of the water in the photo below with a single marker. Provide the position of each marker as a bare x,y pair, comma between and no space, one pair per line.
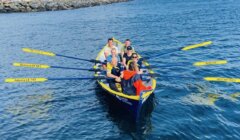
180,109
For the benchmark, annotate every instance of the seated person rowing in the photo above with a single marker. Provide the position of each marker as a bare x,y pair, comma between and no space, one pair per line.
114,71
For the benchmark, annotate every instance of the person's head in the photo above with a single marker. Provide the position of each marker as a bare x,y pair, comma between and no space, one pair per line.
133,66
127,42
135,57
114,61
129,50
114,52
110,42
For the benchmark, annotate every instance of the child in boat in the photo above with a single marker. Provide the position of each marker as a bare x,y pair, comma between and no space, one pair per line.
132,83
114,71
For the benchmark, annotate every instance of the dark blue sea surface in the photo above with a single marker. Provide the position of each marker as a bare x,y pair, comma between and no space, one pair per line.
181,108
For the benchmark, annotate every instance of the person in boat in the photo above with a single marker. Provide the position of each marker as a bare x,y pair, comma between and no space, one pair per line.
113,54
135,58
124,48
132,83
127,56
109,47
114,72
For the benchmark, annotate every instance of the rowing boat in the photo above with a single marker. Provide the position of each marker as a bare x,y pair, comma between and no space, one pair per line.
132,103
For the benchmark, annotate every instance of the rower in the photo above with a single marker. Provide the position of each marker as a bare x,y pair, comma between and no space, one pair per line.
114,71
127,56
113,54
109,47
124,47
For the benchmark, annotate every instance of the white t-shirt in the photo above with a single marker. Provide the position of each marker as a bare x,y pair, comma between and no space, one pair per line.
108,51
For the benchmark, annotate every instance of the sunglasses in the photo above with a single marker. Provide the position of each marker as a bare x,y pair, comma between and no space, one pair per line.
134,57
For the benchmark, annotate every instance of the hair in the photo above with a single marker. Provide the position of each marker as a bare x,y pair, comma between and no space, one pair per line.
134,54
127,40
133,66
113,49
110,39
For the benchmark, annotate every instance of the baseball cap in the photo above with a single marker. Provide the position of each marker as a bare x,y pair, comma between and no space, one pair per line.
129,48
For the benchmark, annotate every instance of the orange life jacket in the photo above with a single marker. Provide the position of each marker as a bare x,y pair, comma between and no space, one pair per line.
133,80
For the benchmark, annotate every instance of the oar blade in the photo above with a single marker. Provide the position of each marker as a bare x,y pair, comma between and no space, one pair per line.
25,80
34,80
40,66
28,50
196,46
222,79
219,62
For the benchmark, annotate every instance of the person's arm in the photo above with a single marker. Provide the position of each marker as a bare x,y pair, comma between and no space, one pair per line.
124,62
122,51
111,75
139,71
121,76
106,54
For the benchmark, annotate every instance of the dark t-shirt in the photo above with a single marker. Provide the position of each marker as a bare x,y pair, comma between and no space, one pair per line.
117,70
127,57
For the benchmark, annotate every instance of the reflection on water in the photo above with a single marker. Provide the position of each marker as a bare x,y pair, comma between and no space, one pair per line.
122,118
26,109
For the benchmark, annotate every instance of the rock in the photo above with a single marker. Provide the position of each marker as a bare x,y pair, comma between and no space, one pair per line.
49,5
1,7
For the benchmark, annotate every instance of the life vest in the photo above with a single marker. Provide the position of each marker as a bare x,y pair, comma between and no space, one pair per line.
132,83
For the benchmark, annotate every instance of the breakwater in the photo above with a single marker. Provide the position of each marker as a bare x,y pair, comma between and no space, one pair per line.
9,6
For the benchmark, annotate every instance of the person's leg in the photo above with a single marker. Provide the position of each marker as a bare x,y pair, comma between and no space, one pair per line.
113,86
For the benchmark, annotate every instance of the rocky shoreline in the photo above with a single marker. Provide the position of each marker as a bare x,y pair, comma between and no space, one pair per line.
9,6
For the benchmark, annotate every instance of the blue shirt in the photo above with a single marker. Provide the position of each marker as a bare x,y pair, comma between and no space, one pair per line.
109,58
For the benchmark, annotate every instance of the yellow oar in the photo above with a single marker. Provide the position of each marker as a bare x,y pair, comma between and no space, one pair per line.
196,45
38,52
218,62
221,79
25,80
28,50
44,66
41,79
186,48
41,66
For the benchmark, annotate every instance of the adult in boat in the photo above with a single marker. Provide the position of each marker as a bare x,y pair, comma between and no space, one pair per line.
132,83
127,56
124,48
135,58
114,71
109,47
113,54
